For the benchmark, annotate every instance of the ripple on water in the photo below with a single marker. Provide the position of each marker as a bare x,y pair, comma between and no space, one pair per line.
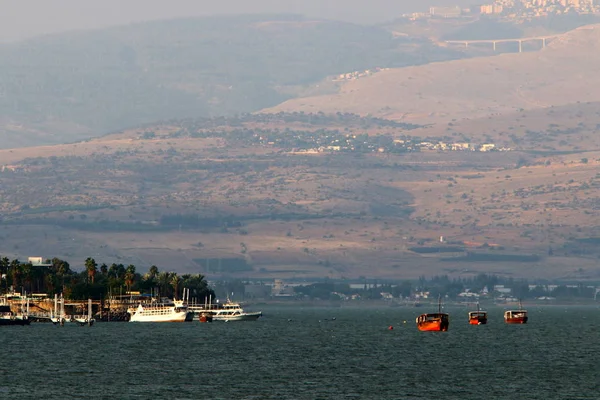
312,356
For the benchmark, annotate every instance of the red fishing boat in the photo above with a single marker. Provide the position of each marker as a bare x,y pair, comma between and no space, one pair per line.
437,322
516,316
478,317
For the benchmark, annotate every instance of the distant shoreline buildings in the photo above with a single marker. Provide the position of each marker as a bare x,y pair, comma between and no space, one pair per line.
513,9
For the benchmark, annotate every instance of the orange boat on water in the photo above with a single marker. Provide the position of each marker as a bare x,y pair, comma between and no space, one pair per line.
516,316
434,321
478,317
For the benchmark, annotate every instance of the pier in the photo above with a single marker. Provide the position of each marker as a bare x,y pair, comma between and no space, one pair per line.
42,310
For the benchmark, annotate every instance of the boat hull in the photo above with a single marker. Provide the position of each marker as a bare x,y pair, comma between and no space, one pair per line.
521,320
478,318
205,317
516,317
241,317
174,317
84,321
478,321
14,321
433,322
159,313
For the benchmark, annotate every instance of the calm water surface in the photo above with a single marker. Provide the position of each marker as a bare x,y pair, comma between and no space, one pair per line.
303,353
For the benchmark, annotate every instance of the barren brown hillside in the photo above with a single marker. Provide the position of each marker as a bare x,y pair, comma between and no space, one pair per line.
573,127
187,195
564,72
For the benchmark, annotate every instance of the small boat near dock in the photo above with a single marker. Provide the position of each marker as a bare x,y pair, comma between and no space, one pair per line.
85,319
231,311
7,317
228,311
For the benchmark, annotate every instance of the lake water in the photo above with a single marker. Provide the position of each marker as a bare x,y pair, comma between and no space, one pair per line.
555,356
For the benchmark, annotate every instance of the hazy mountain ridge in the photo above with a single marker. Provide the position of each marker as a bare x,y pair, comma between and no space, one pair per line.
562,73
76,85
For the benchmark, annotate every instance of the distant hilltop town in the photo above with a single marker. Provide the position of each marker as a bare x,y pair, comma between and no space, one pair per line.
513,9
351,76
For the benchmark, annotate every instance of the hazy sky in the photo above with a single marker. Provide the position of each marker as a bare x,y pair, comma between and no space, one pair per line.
24,18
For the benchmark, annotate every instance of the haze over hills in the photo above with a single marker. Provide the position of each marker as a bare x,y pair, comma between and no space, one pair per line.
481,165
17,21
562,73
71,86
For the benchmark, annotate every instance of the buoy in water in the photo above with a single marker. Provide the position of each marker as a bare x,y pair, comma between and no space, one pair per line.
390,328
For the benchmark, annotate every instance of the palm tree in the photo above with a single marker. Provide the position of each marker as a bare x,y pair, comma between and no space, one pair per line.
63,270
27,271
121,271
175,281
60,267
112,271
129,276
4,263
152,273
15,273
197,285
50,283
163,282
92,267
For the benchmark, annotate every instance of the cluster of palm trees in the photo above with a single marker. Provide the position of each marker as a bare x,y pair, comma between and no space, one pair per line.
96,281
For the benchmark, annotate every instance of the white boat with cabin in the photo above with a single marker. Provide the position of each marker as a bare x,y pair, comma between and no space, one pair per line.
231,311
159,312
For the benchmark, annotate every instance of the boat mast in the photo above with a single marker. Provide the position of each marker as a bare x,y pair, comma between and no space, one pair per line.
55,311
89,312
62,309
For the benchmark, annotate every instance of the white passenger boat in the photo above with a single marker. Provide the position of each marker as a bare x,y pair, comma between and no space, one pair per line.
233,312
159,312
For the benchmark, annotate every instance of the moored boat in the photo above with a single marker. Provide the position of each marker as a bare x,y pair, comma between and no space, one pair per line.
7,317
86,319
437,322
478,317
205,317
516,316
228,311
159,312
234,312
